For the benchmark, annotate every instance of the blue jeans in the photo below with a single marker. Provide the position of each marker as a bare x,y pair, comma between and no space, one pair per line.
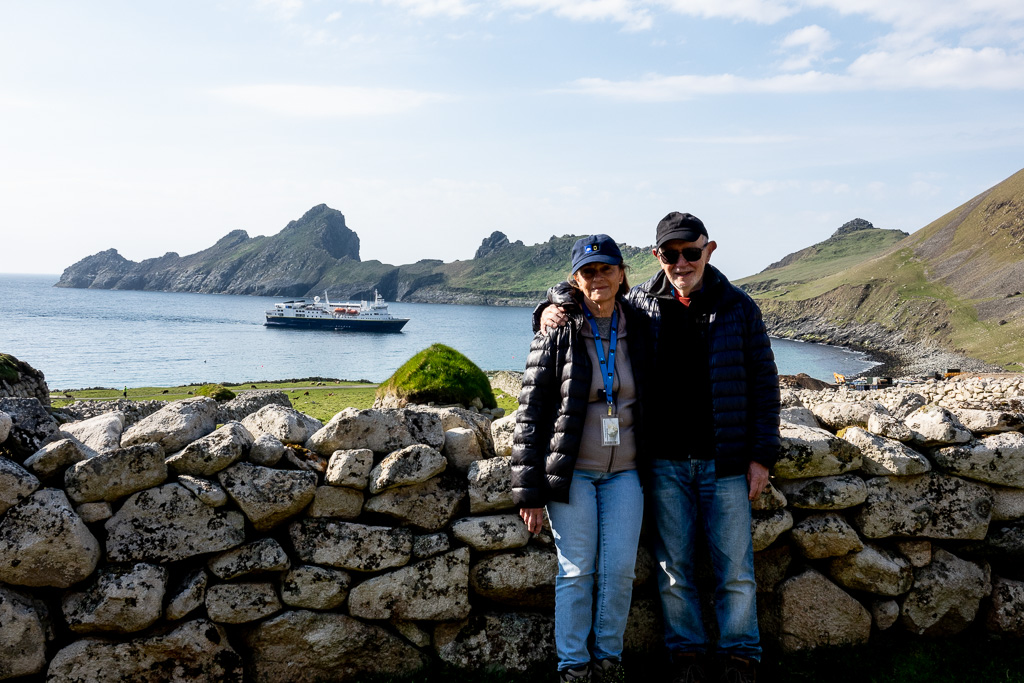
596,535
688,496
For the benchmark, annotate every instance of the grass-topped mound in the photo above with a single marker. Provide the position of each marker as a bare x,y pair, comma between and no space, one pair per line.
439,374
9,368
218,392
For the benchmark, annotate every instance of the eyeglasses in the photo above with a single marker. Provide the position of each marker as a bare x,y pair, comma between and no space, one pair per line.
671,256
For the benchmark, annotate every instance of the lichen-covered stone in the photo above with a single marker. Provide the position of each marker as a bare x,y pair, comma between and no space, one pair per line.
122,599
95,512
44,543
429,506
410,465
175,425
883,456
16,484
196,652
825,493
799,415
996,459
814,612
263,555
312,587
302,646
771,498
268,497
931,505
205,490
874,570
1007,504
766,527
100,433
825,534
57,455
241,603
836,415
946,595
347,545
22,635
935,426
285,424
429,545
1005,614
350,468
382,431
494,532
885,613
188,596
889,427
214,452
501,434
5,426
511,641
462,448
524,577
167,524
436,589
490,485
266,450
336,501
989,421
116,474
30,429
809,452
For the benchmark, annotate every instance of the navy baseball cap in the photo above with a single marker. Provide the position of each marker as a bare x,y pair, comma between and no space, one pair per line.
680,226
595,249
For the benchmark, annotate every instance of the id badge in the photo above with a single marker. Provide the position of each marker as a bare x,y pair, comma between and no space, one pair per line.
610,431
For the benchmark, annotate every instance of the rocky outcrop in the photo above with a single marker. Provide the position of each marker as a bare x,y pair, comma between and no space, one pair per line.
18,379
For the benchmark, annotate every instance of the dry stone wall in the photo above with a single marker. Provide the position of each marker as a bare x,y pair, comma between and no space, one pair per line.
273,547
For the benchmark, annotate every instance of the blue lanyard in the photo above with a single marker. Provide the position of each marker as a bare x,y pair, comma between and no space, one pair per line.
607,367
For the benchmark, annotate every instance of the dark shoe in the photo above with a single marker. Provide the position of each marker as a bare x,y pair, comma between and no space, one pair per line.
688,667
580,675
738,670
608,671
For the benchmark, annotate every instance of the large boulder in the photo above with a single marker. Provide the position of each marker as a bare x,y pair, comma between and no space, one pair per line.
176,425
996,459
242,602
436,589
824,493
22,635
811,452
410,465
874,570
931,505
462,448
214,452
336,501
307,647
312,587
30,429
767,526
16,484
509,641
262,555
521,578
248,402
285,424
43,542
380,431
935,426
347,545
989,421
122,599
946,595
825,534
490,485
167,524
196,652
100,433
350,468
814,612
58,455
502,430
835,416
429,506
116,474
267,496
494,532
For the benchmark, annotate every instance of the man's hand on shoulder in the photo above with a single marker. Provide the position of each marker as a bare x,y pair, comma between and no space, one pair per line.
552,318
757,478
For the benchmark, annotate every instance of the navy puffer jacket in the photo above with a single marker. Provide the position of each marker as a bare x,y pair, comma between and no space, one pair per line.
553,406
744,379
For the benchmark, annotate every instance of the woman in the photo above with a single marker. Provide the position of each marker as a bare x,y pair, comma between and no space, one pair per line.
575,452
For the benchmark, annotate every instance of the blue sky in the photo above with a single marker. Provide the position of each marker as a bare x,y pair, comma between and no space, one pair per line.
156,127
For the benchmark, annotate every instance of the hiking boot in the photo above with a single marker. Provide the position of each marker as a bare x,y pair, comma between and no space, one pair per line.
688,667
580,675
738,670
609,671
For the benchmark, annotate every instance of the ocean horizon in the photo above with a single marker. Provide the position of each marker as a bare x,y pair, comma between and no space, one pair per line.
85,338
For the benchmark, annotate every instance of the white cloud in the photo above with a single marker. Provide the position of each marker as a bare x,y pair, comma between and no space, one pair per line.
333,16
307,101
631,13
284,10
805,47
737,140
759,11
434,8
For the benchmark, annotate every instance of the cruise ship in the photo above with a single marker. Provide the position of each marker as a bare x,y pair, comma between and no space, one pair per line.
323,315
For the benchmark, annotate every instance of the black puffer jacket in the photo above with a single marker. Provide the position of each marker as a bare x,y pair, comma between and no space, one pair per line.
744,378
553,406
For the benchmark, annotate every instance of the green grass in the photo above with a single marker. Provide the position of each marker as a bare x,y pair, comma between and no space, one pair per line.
439,374
8,368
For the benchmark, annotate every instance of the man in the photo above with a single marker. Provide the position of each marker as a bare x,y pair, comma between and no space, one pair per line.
713,432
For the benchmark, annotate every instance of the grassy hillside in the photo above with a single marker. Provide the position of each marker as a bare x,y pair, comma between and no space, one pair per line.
955,283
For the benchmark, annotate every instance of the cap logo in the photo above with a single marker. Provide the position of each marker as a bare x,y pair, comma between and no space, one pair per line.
592,247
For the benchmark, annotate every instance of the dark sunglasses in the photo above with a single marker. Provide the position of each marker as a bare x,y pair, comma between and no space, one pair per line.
671,256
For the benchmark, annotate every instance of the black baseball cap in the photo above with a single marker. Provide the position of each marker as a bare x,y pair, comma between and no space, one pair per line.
680,226
595,249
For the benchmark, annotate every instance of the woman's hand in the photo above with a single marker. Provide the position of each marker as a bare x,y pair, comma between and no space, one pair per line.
534,519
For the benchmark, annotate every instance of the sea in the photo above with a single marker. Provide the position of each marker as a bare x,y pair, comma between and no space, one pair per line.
85,338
